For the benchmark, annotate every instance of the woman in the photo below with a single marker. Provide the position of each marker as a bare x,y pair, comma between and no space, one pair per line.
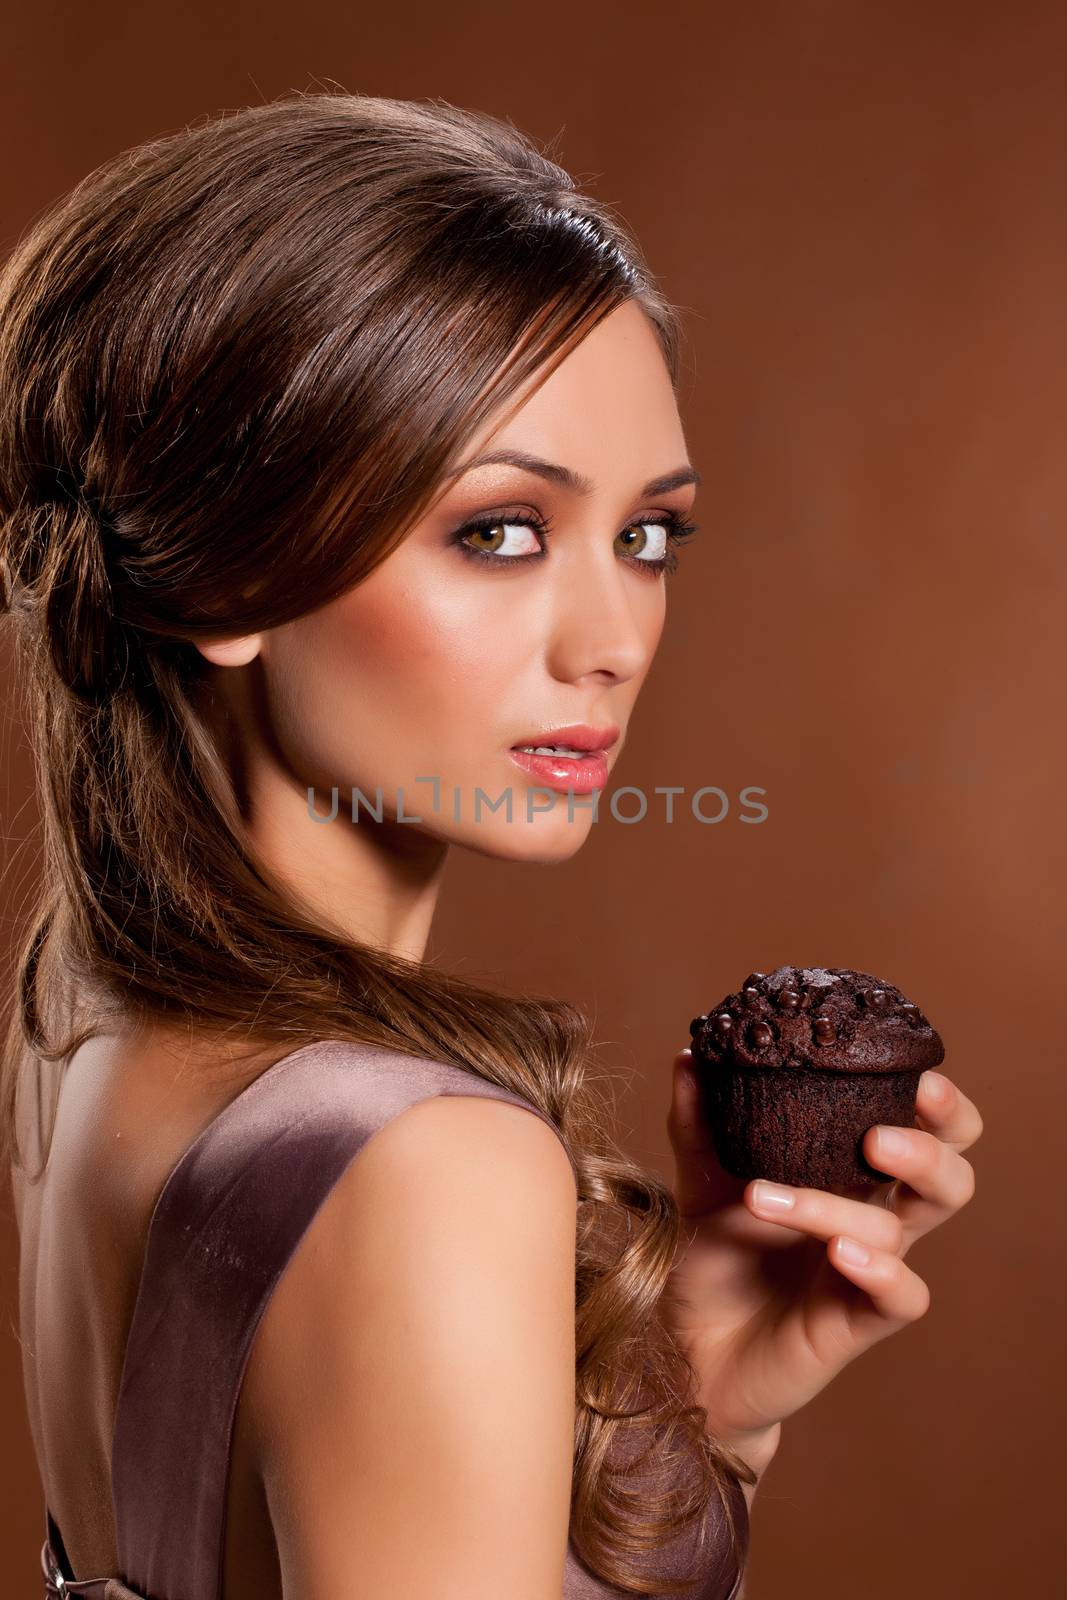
340,473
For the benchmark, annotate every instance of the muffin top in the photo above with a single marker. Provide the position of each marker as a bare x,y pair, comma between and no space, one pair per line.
811,1018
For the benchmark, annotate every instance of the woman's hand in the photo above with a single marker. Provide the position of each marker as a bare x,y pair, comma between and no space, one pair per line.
765,1300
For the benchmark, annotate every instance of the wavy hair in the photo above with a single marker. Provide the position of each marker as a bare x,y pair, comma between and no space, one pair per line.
235,362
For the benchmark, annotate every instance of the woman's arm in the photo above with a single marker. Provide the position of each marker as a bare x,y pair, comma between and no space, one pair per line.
757,1446
413,1378
758,1450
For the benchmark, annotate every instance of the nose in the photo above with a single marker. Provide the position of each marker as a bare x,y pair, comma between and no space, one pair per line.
606,621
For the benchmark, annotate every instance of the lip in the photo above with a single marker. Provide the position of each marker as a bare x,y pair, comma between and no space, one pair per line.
576,736
578,774
569,774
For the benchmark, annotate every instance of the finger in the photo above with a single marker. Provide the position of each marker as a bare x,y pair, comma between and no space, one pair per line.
934,1179
893,1294
686,1123
946,1111
821,1215
701,1183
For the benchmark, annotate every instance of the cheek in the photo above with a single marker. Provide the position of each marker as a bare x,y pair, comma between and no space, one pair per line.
394,674
423,644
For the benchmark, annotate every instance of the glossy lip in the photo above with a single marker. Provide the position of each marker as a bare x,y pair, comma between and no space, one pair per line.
578,774
575,736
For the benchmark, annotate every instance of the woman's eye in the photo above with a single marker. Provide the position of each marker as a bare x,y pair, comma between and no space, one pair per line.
507,541
503,537
645,540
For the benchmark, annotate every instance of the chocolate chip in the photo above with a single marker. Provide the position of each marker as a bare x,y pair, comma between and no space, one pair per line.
760,1035
723,1024
788,1000
823,1029
753,980
873,999
909,1010
696,1025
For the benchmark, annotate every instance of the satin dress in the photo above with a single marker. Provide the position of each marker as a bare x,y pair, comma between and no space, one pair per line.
227,1220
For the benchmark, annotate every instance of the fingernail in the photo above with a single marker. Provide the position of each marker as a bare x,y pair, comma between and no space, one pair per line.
852,1251
772,1196
933,1084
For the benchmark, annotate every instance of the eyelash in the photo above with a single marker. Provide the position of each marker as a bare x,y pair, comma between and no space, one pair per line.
677,528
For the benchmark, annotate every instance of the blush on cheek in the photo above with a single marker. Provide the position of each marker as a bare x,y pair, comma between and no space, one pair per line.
414,665
414,631
367,694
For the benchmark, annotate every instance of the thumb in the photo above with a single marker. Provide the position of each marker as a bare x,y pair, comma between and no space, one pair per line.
701,1183
686,1124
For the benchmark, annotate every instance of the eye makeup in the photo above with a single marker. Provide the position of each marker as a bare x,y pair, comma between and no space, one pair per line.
677,531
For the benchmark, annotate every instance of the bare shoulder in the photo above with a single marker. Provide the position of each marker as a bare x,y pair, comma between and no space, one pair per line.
411,1386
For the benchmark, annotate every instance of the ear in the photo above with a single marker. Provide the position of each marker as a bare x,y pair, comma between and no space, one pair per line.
231,652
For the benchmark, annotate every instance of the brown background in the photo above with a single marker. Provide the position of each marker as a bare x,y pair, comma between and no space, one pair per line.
864,209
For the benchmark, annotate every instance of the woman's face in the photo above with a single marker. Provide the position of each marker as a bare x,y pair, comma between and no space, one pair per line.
466,642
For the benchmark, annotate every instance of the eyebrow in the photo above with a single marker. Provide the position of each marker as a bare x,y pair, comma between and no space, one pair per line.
566,477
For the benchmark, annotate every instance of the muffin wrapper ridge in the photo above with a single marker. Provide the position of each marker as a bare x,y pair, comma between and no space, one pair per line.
802,1127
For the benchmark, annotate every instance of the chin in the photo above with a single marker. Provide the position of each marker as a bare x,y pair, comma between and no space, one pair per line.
545,840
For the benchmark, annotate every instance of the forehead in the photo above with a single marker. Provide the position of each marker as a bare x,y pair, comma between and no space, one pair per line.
610,400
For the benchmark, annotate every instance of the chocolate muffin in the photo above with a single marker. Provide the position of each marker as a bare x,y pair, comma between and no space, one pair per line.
798,1064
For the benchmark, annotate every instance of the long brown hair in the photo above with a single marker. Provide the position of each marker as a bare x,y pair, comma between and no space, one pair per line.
234,365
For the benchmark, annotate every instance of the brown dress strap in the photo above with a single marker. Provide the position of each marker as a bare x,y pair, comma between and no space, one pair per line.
226,1222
